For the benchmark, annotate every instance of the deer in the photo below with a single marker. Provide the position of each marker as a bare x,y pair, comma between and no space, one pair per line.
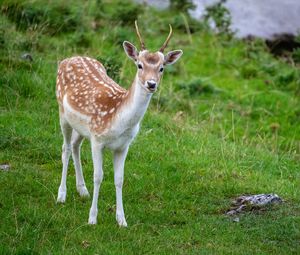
93,106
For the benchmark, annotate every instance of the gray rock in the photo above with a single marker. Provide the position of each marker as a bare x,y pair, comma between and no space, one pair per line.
27,56
253,202
5,167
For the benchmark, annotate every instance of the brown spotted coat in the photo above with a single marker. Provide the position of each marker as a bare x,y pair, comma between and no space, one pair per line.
89,90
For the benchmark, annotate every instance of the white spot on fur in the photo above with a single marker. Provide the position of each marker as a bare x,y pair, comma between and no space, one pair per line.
103,113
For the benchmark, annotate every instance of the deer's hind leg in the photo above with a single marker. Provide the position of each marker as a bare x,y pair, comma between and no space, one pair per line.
66,152
76,145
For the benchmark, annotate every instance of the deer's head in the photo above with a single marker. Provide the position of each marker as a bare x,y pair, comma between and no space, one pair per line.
150,65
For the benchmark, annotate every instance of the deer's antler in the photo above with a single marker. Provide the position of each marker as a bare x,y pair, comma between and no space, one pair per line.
167,41
139,36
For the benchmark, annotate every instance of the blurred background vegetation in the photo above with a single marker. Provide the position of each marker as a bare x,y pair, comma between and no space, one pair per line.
232,96
240,75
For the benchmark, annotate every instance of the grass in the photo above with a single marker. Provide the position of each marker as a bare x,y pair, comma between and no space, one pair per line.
225,122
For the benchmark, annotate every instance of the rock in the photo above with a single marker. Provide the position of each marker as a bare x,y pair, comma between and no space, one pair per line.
27,56
5,167
253,202
237,219
282,43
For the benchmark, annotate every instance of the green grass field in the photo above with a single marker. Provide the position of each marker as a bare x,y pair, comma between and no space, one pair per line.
225,122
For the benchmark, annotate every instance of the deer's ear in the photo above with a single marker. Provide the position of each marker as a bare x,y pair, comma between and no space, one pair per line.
130,50
172,57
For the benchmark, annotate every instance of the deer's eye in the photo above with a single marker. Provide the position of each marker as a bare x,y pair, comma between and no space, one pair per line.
161,69
140,66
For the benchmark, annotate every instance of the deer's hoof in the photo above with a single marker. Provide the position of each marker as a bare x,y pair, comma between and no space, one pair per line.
83,192
61,197
121,221
92,220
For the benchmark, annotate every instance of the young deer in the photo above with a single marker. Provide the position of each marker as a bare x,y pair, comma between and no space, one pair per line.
93,106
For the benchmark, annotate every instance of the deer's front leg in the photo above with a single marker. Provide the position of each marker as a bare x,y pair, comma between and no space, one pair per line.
119,161
98,177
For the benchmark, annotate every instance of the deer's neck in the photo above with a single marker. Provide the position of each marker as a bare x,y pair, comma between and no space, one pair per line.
135,104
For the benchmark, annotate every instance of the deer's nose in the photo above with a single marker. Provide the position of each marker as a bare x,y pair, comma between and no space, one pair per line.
151,84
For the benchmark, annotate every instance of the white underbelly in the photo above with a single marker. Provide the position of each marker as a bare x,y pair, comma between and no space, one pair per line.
116,138
78,121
